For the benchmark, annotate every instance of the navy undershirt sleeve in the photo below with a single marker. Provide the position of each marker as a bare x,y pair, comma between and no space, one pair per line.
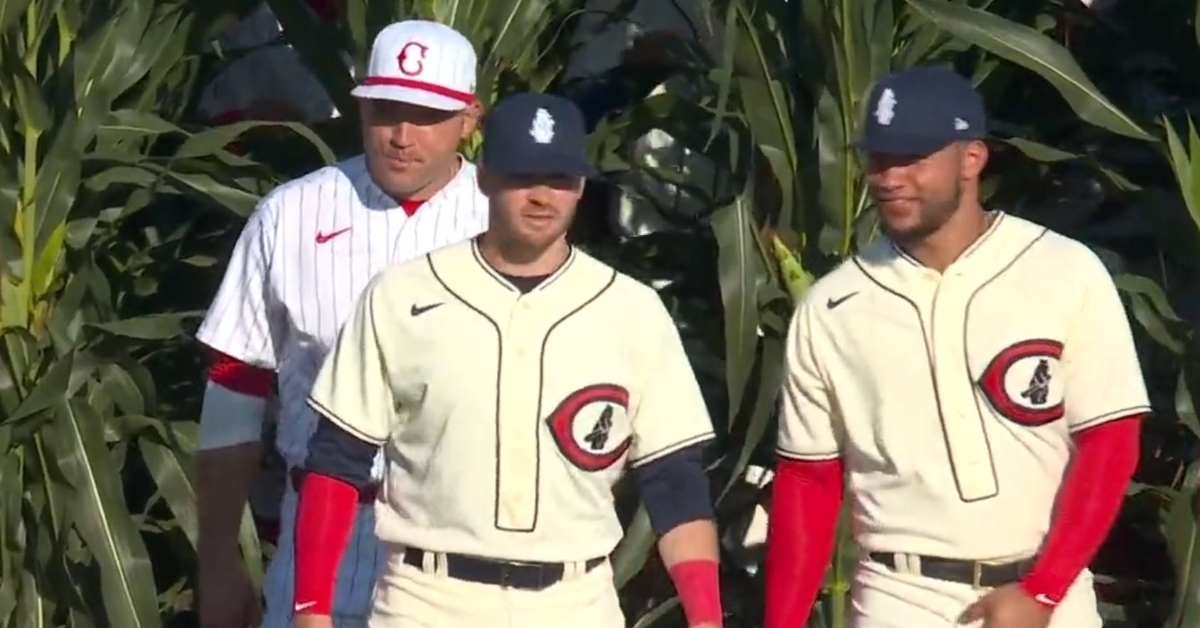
675,489
334,452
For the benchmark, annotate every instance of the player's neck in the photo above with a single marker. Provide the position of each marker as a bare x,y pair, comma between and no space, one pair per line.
941,248
512,257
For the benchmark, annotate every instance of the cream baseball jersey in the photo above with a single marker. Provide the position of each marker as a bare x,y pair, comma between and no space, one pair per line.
952,397
507,417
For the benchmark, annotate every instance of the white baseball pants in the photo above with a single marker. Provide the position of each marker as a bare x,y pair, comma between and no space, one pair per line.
356,576
882,598
412,597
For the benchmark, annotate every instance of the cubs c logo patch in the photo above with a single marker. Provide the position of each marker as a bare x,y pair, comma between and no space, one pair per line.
1023,382
586,429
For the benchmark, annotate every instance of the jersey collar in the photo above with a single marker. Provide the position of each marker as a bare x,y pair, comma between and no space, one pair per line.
499,278
995,217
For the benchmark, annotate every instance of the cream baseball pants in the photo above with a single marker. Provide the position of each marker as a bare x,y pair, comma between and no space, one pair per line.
883,598
407,596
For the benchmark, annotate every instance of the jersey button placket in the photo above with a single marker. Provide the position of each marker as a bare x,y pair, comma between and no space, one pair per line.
965,433
519,394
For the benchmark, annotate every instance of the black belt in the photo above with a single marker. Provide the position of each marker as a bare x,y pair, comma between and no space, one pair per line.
529,576
974,573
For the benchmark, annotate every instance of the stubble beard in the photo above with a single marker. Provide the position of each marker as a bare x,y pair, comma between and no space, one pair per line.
933,218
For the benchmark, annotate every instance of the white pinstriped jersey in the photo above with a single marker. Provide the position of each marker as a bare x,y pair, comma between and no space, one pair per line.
952,397
301,260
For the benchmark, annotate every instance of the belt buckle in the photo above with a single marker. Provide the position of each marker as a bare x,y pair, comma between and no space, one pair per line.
977,574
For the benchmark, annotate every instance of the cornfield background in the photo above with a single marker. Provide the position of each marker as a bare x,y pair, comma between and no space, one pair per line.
723,127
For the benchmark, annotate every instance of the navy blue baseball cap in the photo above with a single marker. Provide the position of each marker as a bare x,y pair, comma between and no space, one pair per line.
921,110
531,134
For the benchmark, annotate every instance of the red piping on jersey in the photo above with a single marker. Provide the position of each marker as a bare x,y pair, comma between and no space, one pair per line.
324,520
805,501
1088,503
440,90
698,584
229,372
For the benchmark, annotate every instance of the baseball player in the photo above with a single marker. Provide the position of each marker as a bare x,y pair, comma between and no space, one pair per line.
970,379
510,379
303,257
267,81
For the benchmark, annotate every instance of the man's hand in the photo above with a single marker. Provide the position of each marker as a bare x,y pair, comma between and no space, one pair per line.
1007,607
227,597
312,621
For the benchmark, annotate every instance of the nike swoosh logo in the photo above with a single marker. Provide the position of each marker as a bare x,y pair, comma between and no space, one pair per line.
418,310
322,238
1045,599
300,607
832,303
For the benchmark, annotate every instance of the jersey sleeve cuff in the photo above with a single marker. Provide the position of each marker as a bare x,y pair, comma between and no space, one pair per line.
345,425
237,352
670,449
808,457
1115,415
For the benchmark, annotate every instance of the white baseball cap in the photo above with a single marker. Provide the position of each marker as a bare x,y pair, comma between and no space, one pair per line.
423,63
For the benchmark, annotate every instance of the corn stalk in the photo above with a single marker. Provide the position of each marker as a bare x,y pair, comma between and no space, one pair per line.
84,152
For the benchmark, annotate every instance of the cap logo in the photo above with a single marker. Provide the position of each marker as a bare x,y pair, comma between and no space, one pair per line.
885,109
412,58
542,129
961,125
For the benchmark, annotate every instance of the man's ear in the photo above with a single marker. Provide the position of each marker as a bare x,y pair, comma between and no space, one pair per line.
975,158
471,116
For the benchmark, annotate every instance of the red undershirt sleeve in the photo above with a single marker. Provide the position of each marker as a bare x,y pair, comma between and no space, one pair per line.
1088,503
235,375
805,501
324,520
697,582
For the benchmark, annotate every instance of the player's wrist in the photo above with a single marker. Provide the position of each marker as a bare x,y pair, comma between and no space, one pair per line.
218,557
311,620
317,608
1041,591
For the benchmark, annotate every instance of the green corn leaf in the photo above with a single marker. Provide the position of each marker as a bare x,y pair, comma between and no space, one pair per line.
1034,51
102,517
634,548
10,12
150,326
170,470
740,268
